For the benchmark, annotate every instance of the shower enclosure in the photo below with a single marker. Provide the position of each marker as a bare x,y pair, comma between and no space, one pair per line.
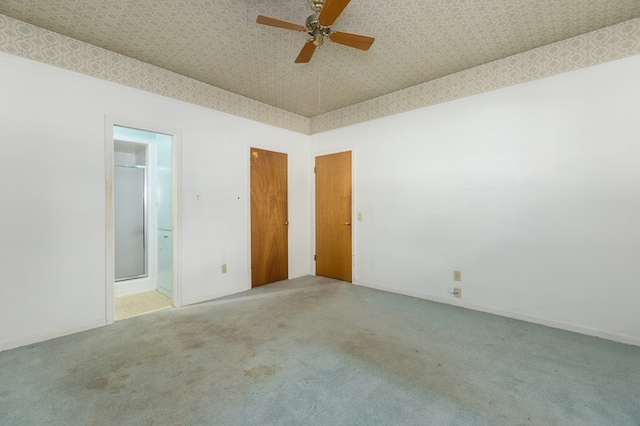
143,211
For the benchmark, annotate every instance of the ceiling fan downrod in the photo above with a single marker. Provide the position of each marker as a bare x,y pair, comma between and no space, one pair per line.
316,5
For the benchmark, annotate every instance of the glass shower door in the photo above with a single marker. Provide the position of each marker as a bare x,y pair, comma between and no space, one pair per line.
130,222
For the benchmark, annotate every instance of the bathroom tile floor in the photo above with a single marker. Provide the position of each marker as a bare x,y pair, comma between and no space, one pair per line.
141,303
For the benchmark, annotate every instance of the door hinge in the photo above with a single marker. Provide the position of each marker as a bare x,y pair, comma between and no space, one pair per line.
314,257
314,170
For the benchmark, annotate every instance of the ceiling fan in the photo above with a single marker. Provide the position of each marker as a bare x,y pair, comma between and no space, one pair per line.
318,27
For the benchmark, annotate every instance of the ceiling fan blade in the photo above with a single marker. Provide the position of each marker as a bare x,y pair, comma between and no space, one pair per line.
305,54
331,10
273,22
352,40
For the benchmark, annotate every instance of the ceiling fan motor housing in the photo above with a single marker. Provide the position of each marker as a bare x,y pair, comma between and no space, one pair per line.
313,22
316,30
318,27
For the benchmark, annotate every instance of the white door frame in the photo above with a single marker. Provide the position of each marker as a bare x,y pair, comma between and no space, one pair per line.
176,146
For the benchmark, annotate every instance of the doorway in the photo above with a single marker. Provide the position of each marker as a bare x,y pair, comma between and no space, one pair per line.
333,216
142,221
269,217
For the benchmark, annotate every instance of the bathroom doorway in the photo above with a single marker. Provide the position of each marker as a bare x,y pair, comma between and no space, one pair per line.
143,221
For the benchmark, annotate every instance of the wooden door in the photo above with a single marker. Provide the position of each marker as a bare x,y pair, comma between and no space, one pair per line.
333,216
269,223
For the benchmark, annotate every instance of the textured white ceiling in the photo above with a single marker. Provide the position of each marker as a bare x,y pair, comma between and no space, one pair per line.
218,42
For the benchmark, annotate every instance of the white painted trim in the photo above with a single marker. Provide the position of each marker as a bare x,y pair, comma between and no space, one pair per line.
288,216
248,204
354,216
620,338
176,171
51,334
312,200
110,262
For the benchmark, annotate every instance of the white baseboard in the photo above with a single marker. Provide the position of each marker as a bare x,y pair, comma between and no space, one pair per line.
210,296
51,334
616,337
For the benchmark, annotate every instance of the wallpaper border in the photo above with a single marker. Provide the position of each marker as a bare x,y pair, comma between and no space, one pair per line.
597,47
28,41
608,44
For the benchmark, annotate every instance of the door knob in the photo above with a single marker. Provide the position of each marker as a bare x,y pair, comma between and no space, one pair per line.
347,223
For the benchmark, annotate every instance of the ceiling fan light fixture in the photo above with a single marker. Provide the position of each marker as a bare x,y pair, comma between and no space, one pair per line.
318,38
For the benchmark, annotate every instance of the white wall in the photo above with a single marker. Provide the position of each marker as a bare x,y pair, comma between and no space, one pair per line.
52,184
533,191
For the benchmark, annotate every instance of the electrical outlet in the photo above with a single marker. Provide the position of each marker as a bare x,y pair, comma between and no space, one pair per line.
224,268
457,292
457,275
